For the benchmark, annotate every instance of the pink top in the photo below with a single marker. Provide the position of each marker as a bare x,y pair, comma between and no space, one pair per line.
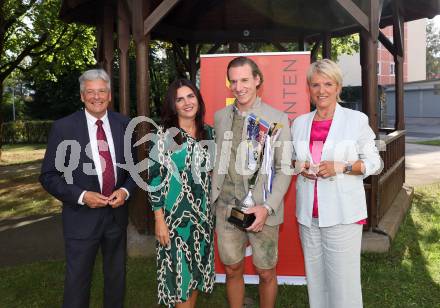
318,135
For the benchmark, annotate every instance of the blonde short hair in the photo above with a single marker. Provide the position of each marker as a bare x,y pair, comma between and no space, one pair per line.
327,68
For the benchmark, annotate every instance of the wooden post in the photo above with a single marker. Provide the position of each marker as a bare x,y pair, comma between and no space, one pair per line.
123,44
192,62
314,51
400,114
301,44
326,46
107,22
399,39
369,78
180,54
370,95
234,47
140,214
143,21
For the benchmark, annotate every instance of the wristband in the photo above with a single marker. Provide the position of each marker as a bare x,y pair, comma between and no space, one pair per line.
270,210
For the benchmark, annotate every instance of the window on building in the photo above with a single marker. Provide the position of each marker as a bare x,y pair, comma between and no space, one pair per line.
378,68
392,69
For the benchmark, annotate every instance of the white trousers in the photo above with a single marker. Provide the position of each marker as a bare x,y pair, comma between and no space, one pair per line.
332,260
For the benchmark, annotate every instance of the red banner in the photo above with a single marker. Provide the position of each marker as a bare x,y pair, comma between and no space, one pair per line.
285,88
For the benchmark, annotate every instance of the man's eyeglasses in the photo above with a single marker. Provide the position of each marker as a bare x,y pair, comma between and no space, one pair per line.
99,92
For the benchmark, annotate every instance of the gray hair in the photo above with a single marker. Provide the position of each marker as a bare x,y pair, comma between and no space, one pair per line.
329,69
91,75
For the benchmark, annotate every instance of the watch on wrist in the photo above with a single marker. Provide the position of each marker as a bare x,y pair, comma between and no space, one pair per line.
348,168
270,210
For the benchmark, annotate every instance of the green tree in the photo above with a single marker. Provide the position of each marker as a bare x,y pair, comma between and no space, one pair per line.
345,45
34,42
18,93
54,99
432,51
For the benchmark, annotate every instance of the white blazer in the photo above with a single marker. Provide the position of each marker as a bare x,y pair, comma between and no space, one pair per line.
341,198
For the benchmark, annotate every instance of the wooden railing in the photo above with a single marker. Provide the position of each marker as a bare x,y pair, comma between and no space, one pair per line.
391,179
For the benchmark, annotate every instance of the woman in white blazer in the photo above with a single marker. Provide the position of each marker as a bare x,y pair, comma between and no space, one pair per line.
334,150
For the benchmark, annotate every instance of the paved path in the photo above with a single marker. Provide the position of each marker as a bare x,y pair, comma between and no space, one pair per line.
31,239
422,161
422,164
24,240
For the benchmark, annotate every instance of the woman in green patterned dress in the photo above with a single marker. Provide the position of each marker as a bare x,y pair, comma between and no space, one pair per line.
181,198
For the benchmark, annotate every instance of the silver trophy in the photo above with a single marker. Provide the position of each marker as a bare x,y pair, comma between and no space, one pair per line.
238,216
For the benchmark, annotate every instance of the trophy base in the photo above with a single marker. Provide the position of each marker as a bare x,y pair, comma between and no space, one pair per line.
240,219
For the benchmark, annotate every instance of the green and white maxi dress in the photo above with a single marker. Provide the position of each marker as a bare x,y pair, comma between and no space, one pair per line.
182,189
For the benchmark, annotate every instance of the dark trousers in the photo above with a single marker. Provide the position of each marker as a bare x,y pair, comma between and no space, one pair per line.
80,259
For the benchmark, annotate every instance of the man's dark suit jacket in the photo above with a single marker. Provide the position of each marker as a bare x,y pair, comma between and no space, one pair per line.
80,221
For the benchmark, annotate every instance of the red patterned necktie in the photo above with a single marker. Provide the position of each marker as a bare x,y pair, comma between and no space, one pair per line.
108,173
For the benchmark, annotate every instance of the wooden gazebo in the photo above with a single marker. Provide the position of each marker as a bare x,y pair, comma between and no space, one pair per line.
191,23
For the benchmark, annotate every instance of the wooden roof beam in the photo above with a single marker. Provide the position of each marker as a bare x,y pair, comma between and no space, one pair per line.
355,12
370,22
156,16
387,43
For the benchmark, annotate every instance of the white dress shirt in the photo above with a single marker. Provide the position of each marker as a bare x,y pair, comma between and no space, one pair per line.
93,128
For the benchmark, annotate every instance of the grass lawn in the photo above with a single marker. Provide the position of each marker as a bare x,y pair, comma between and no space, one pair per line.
429,142
20,192
407,276
21,153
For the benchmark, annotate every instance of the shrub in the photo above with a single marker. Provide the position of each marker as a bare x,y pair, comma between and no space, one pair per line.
26,132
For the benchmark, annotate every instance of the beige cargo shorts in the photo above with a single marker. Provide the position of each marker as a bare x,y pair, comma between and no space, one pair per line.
232,241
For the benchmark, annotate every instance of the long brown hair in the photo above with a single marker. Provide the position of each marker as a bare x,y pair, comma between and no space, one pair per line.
169,113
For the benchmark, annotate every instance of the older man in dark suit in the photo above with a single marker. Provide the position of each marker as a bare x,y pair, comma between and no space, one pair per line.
82,168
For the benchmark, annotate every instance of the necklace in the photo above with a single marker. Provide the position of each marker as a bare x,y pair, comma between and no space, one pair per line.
325,117
190,131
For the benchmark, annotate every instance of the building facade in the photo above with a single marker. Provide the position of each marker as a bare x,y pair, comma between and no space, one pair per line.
414,67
